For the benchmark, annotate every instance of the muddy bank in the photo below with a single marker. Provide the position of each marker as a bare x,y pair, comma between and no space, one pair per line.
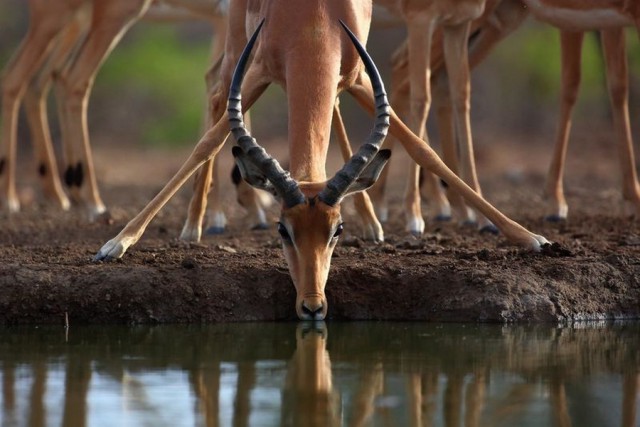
451,274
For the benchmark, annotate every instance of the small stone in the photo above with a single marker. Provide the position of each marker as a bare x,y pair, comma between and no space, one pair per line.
228,249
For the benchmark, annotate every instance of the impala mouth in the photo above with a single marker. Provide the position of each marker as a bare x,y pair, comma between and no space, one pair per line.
313,309
308,314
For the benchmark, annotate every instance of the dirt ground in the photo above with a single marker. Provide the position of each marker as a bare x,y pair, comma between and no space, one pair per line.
451,274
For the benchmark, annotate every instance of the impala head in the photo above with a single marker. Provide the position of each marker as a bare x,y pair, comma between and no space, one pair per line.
310,221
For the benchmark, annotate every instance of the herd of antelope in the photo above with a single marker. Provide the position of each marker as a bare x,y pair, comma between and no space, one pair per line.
315,50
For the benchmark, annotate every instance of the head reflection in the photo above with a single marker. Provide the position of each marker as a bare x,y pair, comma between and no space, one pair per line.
308,396
245,375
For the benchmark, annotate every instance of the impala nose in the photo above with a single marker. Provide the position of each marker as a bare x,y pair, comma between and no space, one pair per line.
312,309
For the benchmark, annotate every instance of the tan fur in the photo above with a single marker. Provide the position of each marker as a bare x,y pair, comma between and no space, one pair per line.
287,50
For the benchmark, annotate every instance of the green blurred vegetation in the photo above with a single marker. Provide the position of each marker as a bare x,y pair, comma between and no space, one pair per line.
533,52
169,72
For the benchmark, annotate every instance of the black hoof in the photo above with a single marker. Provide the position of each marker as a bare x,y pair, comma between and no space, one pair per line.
260,226
490,229
100,257
443,218
554,218
214,231
416,234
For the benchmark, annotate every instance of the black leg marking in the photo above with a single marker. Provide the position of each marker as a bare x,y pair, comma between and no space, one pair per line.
69,176
236,176
2,162
79,175
42,169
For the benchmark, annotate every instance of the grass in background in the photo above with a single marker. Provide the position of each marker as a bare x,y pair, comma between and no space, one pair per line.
532,57
533,54
168,73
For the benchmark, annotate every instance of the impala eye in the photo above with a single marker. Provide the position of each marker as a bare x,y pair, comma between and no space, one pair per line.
283,232
339,230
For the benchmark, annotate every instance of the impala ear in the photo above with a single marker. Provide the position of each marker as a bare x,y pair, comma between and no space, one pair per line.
251,173
371,173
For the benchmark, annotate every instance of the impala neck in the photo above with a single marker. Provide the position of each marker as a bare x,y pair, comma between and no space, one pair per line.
310,119
310,52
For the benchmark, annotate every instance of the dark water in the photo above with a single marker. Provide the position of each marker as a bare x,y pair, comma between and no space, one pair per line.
350,374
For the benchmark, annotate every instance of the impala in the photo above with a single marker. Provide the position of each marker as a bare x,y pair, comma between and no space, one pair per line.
498,20
65,45
303,47
47,57
60,25
422,19
573,18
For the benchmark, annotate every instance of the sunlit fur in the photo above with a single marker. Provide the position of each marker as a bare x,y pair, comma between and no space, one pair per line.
312,227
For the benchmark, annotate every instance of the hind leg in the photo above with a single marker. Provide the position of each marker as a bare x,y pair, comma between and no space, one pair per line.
206,149
420,31
371,226
618,83
110,21
44,27
571,45
35,107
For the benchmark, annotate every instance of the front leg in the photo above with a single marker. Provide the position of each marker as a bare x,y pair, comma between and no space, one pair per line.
613,42
110,20
192,229
571,47
424,155
420,34
207,147
457,61
372,228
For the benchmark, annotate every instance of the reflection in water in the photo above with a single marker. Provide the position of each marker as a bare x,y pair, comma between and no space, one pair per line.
309,398
356,374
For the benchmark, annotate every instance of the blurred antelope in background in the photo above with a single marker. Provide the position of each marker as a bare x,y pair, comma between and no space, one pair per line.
573,18
498,21
422,18
65,45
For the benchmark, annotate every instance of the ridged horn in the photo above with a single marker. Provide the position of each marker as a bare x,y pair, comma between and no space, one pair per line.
285,186
338,185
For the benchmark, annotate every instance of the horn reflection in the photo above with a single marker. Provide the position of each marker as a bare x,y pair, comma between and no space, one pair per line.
339,375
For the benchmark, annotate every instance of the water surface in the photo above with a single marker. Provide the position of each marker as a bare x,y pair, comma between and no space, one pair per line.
343,374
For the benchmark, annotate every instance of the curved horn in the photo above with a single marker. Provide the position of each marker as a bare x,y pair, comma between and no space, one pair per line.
339,184
285,186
